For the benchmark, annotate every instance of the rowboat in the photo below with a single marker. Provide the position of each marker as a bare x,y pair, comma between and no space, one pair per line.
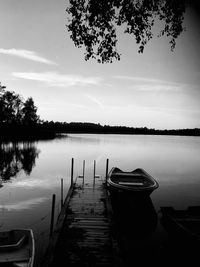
184,224
17,248
138,181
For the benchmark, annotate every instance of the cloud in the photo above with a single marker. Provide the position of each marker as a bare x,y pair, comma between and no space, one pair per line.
56,79
150,84
96,101
158,88
145,80
30,55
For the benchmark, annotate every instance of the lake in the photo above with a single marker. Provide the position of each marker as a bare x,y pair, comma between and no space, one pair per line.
32,172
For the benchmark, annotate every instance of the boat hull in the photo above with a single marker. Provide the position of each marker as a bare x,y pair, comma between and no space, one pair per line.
17,247
183,224
137,182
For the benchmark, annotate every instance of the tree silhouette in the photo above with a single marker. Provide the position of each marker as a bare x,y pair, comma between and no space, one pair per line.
12,107
14,111
2,91
29,110
93,23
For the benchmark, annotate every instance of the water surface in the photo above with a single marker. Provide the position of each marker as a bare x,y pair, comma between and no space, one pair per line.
31,173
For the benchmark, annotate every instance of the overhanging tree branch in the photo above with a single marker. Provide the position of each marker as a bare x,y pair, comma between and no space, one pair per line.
93,24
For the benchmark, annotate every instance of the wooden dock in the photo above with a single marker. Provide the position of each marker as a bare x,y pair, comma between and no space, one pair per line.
90,232
86,235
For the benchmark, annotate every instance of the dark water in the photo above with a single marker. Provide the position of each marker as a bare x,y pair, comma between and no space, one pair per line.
31,173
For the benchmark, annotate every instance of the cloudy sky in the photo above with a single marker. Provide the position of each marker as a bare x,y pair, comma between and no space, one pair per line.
157,89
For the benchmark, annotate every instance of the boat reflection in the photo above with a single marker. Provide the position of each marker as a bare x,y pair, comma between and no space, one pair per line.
15,157
135,223
136,216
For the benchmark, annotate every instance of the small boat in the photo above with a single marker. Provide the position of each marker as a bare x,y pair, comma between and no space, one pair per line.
17,248
138,181
184,224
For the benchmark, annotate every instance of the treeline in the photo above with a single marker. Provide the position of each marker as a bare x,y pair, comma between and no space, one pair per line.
19,119
86,127
15,111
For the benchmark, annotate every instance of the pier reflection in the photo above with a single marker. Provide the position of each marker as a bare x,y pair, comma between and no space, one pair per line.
15,157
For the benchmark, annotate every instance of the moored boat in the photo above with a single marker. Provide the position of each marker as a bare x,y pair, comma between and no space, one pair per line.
138,181
183,224
17,248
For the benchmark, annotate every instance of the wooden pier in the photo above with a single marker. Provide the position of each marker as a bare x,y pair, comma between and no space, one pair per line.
90,232
84,235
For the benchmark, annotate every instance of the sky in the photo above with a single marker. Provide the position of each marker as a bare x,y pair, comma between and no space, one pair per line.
157,89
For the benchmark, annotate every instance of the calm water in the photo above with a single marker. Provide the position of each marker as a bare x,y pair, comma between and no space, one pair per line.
31,173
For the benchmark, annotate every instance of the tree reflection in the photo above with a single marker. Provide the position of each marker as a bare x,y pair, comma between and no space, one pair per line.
15,157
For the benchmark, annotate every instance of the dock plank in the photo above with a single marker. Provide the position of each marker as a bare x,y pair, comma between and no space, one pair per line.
85,238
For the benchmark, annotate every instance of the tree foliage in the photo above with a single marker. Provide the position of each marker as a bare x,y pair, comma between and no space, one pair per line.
13,110
30,112
93,23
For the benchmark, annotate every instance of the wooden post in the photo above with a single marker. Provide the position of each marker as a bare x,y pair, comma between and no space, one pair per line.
72,171
94,168
61,192
107,164
83,171
94,174
52,214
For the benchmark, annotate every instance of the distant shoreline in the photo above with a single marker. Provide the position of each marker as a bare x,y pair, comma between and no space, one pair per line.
52,130
132,134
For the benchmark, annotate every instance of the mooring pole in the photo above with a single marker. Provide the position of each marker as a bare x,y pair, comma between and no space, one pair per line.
94,174
94,168
83,171
52,214
72,171
61,192
107,164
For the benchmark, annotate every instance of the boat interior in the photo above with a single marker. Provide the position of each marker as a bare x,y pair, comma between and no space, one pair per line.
130,179
11,240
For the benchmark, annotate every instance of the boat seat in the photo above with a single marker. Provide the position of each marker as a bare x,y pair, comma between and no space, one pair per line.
13,246
128,174
129,183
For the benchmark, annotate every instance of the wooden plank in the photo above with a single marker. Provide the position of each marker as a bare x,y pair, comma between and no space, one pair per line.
86,233
48,258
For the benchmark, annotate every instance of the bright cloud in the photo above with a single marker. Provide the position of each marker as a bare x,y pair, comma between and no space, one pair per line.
96,101
56,79
152,85
144,80
30,55
158,88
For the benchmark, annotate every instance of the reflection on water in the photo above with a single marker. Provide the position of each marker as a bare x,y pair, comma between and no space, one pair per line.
134,216
22,205
15,157
17,204
135,222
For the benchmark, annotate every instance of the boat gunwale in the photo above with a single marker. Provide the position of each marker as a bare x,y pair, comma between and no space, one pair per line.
31,240
150,188
173,221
